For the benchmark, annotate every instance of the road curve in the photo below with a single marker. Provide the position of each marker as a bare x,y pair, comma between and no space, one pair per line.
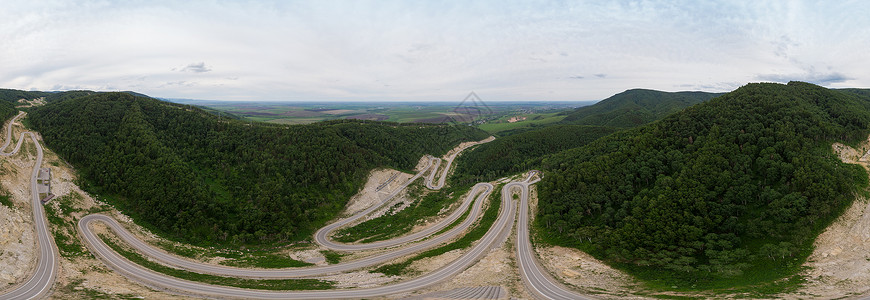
539,283
321,237
40,283
481,191
145,276
450,159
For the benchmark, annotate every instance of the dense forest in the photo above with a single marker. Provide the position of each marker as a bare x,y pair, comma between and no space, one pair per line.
523,151
7,110
744,180
635,107
201,179
520,150
8,95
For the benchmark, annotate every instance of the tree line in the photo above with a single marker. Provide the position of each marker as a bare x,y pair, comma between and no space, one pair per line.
740,181
202,179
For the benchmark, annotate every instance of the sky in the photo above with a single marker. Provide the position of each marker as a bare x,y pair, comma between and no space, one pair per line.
428,50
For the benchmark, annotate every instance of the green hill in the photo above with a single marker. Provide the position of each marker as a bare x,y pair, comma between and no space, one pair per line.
7,110
8,95
635,107
179,170
729,192
524,149
12,96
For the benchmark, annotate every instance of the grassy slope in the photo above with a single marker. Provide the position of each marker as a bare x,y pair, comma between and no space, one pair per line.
532,121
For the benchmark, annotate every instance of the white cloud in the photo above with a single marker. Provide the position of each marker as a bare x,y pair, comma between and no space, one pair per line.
386,50
196,68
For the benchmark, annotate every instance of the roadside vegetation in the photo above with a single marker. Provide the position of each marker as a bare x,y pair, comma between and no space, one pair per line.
246,258
395,224
5,200
477,232
63,230
261,284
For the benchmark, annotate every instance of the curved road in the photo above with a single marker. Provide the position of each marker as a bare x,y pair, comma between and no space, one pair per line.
40,283
539,282
535,278
483,189
137,273
449,163
322,235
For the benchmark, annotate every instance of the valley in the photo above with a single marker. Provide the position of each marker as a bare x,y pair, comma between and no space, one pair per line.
465,203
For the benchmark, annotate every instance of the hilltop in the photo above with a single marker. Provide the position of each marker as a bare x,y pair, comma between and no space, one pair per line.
635,107
524,148
184,172
728,192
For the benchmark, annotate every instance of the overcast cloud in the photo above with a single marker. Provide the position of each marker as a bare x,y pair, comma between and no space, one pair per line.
415,50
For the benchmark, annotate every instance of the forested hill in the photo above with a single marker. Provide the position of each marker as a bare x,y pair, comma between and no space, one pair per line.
741,184
635,107
524,150
7,95
183,171
7,110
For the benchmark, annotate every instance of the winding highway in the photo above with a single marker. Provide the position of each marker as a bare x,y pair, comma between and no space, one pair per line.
538,281
481,191
39,284
322,235
496,234
535,278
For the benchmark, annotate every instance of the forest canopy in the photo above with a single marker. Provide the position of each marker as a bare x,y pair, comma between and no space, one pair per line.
744,180
518,151
635,107
203,179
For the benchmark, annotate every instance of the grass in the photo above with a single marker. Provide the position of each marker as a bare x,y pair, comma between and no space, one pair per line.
236,258
269,284
85,293
532,120
63,230
266,261
489,217
392,225
332,257
5,200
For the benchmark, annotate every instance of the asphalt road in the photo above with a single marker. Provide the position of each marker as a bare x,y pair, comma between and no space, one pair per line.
450,160
493,237
322,235
479,193
538,281
40,283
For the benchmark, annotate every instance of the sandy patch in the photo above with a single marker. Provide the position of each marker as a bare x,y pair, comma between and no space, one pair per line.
840,263
359,279
17,244
371,194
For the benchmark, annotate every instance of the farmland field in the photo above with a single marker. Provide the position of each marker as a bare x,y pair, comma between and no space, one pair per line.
492,117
